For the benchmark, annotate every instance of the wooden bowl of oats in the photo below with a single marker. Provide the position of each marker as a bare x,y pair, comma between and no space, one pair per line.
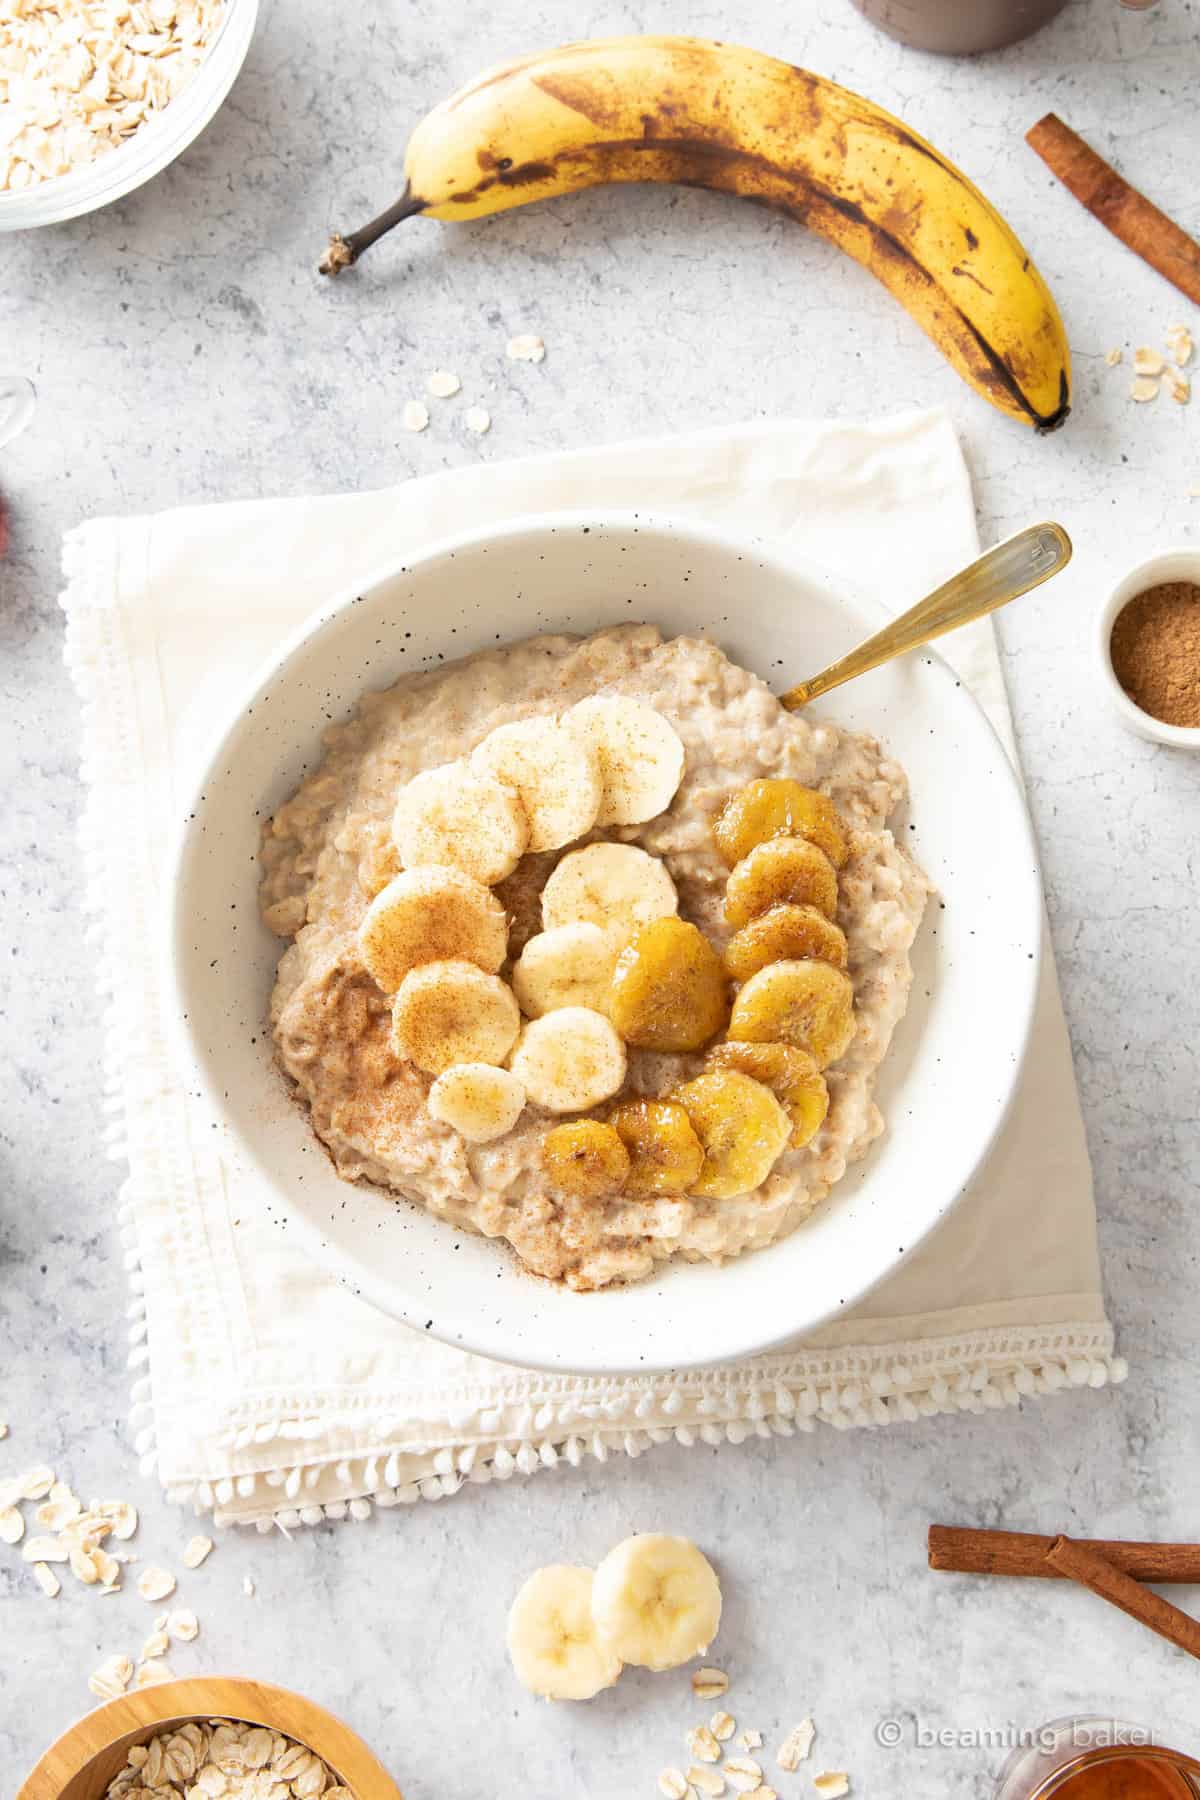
161,1738
121,117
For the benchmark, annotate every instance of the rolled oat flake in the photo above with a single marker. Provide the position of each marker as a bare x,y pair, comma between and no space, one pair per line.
1155,650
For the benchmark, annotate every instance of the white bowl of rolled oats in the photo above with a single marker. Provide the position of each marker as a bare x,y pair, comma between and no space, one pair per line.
97,96
260,1742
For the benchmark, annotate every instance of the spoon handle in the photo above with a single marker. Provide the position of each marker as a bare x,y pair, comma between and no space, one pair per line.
1001,574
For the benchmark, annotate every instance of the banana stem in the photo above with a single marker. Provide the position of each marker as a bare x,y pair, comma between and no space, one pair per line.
343,251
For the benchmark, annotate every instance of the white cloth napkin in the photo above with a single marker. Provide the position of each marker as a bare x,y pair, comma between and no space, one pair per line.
263,1389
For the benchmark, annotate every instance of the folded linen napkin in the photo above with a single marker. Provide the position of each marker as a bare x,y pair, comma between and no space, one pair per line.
263,1389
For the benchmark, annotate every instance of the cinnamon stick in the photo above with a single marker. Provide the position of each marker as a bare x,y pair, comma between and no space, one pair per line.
1083,1563
964,1550
1126,213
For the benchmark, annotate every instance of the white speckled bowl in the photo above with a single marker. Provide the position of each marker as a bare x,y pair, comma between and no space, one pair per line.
951,1072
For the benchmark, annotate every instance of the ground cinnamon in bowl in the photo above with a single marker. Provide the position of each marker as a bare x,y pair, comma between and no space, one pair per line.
1155,648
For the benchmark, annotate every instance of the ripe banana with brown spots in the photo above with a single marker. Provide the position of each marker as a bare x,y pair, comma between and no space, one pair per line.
712,115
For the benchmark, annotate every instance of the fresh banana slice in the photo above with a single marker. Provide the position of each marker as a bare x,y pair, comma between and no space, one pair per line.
427,915
569,1060
552,1638
615,886
452,816
477,1100
451,1012
656,1601
555,776
571,965
640,754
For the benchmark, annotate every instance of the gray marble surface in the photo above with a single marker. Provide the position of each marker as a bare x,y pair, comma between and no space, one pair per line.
185,351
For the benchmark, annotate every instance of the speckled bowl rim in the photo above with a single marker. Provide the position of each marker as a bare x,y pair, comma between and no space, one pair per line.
464,1329
1180,562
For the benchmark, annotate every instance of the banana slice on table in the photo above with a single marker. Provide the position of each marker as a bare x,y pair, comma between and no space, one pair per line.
552,1639
477,1100
640,754
452,816
452,1012
656,1601
556,778
570,1060
615,886
427,915
571,965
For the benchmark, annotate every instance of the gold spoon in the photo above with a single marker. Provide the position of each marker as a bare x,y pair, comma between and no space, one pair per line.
1001,574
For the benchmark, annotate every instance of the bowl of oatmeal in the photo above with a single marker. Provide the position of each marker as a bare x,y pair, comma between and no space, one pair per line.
574,1001
98,96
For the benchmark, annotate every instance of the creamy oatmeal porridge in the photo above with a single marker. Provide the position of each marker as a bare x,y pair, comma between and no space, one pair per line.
354,1038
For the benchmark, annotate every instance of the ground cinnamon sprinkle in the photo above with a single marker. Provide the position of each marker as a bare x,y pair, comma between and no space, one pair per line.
1156,652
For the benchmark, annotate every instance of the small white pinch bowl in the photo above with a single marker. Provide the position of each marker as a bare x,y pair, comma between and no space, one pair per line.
944,1089
1179,564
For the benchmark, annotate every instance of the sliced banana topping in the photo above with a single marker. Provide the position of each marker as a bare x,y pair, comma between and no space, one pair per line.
615,886
552,1637
570,965
478,1101
452,1012
585,1159
640,754
427,915
556,777
808,1004
742,1127
656,1601
569,1060
452,816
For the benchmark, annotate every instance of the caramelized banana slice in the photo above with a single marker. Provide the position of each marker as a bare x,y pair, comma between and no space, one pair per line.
777,808
665,1155
792,1076
585,1159
669,989
785,871
806,1004
741,1126
784,934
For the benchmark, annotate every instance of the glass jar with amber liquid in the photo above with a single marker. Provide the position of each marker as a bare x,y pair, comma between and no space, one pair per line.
1097,1759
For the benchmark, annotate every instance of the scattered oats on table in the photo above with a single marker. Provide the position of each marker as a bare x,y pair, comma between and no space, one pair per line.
47,1580
750,1740
443,383
702,1745
195,1551
183,1625
673,1784
477,419
722,1725
526,348
796,1746
832,1785
415,416
111,1679
79,78
707,1684
155,1583
706,1780
742,1773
